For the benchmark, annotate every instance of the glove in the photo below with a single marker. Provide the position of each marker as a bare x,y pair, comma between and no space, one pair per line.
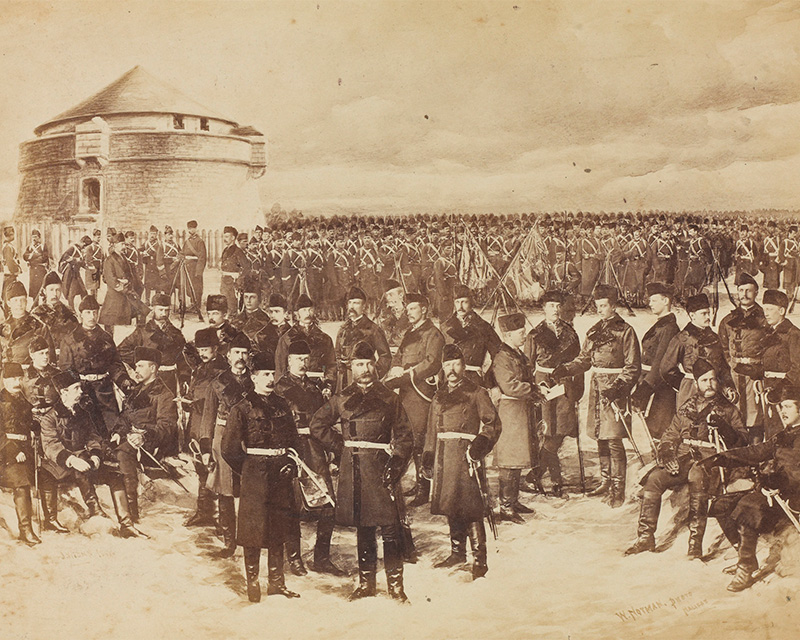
559,373
136,440
115,438
95,462
205,458
641,396
288,470
610,395
393,471
479,447
79,464
21,457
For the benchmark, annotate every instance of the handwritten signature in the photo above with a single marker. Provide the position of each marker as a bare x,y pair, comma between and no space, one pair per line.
681,602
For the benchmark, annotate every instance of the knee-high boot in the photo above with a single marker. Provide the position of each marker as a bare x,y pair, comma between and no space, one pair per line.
423,484
393,564
294,551
48,496
648,521
252,562
322,548
367,563
24,507
477,539
227,522
509,495
204,513
458,544
605,477
698,516
119,498
619,467
132,492
89,495
551,461
276,583
748,563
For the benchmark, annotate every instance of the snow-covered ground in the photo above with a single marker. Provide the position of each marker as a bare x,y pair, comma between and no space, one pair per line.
560,575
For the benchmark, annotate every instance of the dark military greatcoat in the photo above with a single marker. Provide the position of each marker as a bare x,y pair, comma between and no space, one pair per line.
456,416
375,420
654,345
16,424
168,340
267,504
352,333
17,333
322,360
152,407
59,319
475,337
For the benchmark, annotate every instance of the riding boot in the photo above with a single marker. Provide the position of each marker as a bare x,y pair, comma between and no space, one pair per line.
252,562
605,477
477,540
509,495
89,495
204,514
367,563
458,545
533,482
551,461
619,465
698,515
393,564
648,521
24,507
294,554
132,492
49,500
119,498
322,549
730,529
227,522
748,563
276,584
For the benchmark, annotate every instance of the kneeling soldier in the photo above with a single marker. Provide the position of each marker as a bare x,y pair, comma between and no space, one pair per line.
74,449
375,445
705,421
462,428
259,431
16,452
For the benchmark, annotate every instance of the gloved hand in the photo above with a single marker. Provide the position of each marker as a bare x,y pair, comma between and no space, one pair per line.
479,447
611,394
79,464
393,471
136,440
641,396
21,457
95,462
559,373
288,470
115,439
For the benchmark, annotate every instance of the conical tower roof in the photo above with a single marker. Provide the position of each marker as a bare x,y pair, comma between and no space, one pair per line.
137,91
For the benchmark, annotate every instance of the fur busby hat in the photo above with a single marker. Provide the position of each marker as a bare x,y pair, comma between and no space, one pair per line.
161,300
658,289
206,338
461,291
303,302
277,300
38,344
745,279
451,352
605,292
263,361
511,322
192,224
700,367
231,230
696,303
362,351
356,293
299,348
417,298
89,303
240,341
147,354
217,302
552,296
12,370
776,297
391,285
16,290
65,379
51,278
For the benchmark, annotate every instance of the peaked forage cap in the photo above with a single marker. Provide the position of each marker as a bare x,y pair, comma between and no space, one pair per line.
137,91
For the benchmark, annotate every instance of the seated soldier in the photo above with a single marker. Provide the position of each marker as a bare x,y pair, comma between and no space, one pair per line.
765,508
706,421
74,450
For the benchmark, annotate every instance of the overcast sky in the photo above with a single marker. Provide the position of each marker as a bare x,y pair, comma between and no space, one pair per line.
425,106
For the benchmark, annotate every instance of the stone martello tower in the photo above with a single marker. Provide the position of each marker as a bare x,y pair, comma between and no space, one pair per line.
139,152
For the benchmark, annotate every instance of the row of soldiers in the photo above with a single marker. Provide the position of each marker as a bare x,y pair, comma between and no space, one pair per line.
533,386
324,258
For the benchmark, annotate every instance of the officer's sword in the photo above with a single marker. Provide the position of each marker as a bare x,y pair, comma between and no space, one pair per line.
650,438
620,416
474,471
171,476
311,474
773,494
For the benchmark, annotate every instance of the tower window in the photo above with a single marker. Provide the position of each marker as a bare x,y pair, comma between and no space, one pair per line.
90,195
177,122
204,124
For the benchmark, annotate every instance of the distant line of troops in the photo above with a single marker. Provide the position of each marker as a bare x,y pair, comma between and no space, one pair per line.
259,400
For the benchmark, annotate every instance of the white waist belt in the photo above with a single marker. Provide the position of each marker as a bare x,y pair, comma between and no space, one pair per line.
304,431
647,367
232,274
503,396
747,360
168,367
274,453
545,370
697,443
775,374
93,377
221,422
192,257
454,435
470,367
16,436
607,370
363,444
315,374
